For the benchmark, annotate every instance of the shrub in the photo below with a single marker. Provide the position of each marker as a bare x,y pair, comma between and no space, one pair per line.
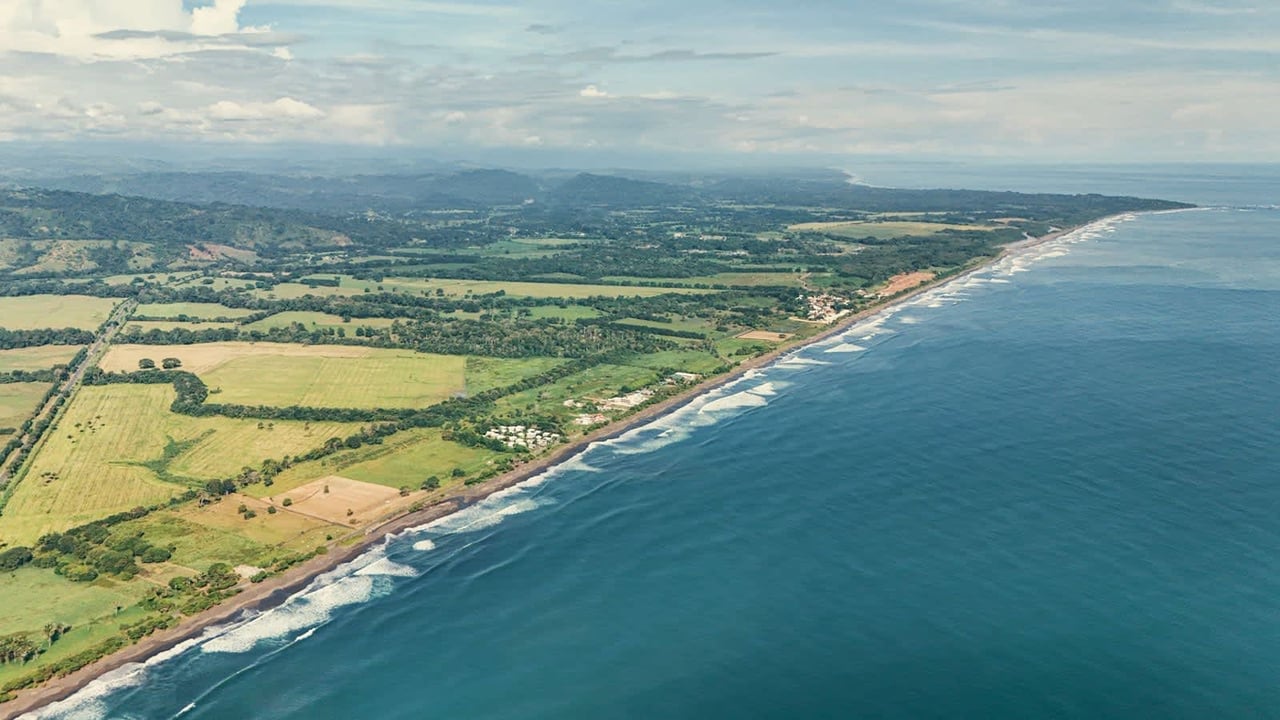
155,554
15,557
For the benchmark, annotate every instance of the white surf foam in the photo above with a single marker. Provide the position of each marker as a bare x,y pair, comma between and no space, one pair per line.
424,545
387,567
89,702
799,362
490,511
304,611
845,348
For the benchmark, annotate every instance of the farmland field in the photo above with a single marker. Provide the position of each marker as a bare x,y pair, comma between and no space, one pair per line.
108,449
569,312
734,279
459,288
37,358
216,533
32,312
18,401
194,310
405,459
143,326
330,375
316,320
881,230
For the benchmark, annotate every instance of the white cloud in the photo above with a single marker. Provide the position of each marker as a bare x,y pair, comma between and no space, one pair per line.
220,18
125,29
591,91
285,108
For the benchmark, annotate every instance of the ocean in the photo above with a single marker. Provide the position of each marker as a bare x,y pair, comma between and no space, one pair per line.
1048,490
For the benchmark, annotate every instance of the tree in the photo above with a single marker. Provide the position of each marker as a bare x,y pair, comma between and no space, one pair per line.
431,483
170,363
146,364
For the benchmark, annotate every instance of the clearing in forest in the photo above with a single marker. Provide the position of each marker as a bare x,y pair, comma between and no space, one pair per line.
38,312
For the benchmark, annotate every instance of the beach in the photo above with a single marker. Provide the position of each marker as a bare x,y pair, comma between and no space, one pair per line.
276,590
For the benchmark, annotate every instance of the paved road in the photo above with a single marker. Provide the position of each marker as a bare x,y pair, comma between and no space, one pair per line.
115,323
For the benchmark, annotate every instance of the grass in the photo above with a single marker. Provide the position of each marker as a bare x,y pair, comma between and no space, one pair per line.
694,361
27,593
331,375
218,533
887,230
688,324
34,597
601,381
736,279
569,312
405,459
107,454
460,288
193,310
166,325
160,278
37,358
33,312
316,320
18,401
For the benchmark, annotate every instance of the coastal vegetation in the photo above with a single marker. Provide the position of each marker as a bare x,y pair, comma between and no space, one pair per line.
198,397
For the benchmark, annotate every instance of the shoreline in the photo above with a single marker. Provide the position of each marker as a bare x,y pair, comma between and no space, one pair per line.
275,591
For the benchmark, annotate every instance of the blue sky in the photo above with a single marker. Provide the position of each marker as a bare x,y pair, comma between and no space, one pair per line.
1124,80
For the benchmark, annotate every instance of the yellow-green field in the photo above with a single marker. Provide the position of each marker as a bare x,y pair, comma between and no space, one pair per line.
143,326
91,464
37,358
33,312
404,460
330,375
217,533
882,230
735,279
34,597
569,312
459,288
18,401
200,311
314,320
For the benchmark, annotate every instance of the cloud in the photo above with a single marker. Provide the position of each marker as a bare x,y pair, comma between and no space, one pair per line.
591,91
128,29
611,55
222,17
285,108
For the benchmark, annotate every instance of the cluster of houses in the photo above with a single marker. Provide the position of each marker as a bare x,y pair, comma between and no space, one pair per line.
523,436
623,402
825,308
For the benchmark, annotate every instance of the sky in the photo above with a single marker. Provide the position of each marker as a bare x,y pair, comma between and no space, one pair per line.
1081,81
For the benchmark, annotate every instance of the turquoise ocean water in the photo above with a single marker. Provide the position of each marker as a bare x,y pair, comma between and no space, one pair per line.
1049,490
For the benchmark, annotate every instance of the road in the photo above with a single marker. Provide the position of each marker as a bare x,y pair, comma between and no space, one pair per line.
112,327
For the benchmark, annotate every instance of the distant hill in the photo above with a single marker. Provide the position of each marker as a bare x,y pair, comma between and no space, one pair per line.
589,190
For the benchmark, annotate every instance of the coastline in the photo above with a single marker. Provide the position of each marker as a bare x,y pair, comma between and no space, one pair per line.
276,590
